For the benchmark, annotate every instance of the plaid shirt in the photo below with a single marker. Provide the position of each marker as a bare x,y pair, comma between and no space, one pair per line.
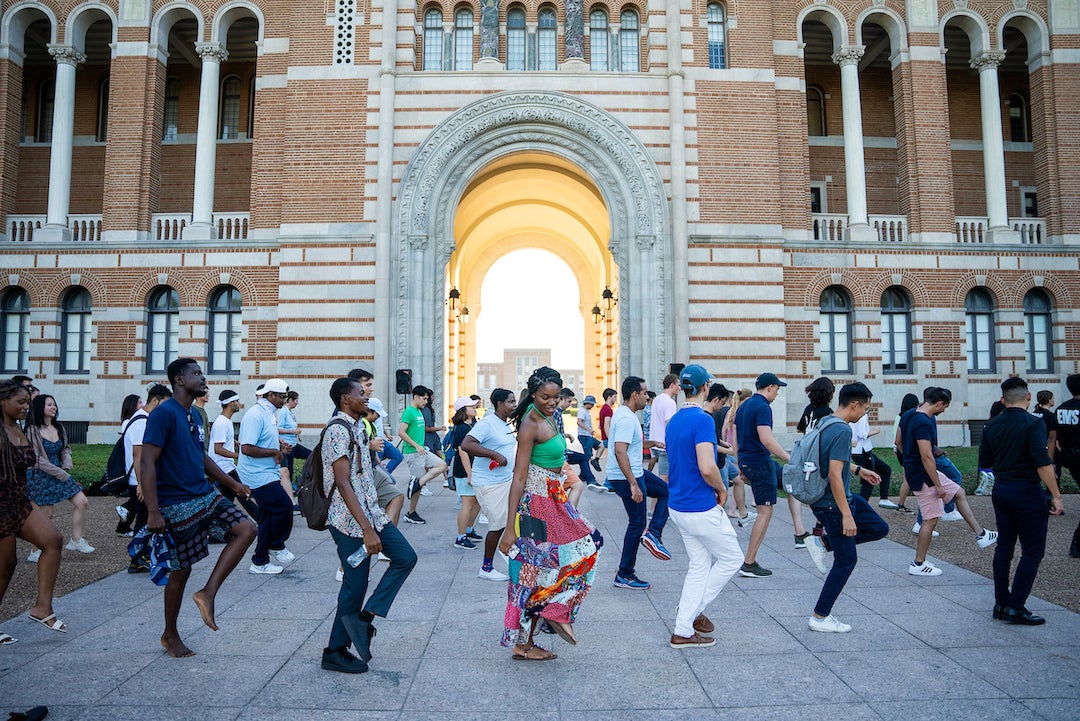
337,443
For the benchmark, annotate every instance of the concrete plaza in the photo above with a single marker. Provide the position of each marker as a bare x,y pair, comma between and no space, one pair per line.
920,648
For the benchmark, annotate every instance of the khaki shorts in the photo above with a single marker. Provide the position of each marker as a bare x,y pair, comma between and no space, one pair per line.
385,487
493,500
421,463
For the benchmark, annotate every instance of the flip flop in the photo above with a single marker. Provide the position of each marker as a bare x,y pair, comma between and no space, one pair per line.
7,640
50,622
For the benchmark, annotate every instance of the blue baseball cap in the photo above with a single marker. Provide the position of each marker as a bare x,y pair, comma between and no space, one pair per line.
693,377
768,379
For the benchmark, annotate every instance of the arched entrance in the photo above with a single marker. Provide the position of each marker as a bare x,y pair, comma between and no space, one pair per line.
587,146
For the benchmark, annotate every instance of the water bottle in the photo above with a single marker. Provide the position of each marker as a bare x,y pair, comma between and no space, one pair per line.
357,558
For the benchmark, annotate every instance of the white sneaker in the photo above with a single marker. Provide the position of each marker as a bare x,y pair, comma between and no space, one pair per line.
494,575
424,491
34,556
340,575
384,557
829,624
80,545
267,569
748,520
953,515
482,519
123,513
926,569
283,557
918,527
817,552
986,538
886,503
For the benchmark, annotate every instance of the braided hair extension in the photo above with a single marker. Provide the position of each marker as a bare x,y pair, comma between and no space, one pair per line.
8,389
539,378
36,416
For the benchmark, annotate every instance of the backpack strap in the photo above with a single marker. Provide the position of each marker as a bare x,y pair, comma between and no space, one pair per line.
123,435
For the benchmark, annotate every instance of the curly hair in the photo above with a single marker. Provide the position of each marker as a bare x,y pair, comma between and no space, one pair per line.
539,378
8,390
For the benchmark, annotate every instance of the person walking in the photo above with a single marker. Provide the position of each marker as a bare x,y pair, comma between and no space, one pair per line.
222,449
174,468
424,465
632,483
573,457
863,454
360,529
49,482
552,548
260,460
19,518
607,410
1068,441
663,408
133,438
587,437
390,452
696,502
746,516
848,518
464,420
289,433
1014,445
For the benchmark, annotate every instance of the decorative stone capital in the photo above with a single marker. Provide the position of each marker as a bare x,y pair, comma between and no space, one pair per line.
645,242
848,55
416,242
66,55
987,61
211,51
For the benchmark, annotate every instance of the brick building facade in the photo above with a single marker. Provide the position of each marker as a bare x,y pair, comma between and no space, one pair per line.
870,189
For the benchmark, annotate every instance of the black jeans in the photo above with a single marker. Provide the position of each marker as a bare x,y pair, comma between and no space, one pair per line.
878,466
137,512
275,520
1021,513
246,503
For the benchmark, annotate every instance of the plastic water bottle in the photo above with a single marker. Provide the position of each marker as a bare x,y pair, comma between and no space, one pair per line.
357,558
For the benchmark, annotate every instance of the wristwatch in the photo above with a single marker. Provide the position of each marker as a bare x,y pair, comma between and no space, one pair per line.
858,470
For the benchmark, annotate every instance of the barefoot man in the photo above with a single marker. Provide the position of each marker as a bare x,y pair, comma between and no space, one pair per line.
179,499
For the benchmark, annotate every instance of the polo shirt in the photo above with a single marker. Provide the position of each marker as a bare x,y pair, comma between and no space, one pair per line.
754,412
180,471
687,490
259,428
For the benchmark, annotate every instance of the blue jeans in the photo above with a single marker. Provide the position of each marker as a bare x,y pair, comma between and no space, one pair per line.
943,464
275,521
728,469
390,451
1020,510
870,527
654,487
354,586
581,460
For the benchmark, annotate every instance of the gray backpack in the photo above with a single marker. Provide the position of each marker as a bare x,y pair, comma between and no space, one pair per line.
803,477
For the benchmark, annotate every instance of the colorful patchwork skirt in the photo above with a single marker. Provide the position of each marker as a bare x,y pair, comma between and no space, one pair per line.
555,562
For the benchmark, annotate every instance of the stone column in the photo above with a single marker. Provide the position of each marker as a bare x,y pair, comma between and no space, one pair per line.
993,147
854,164
63,129
388,349
678,324
202,208
574,37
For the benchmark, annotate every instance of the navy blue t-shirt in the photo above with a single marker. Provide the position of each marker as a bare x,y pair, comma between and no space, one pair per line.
688,491
754,412
180,473
919,426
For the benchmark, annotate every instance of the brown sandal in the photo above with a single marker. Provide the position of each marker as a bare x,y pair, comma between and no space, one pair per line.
532,652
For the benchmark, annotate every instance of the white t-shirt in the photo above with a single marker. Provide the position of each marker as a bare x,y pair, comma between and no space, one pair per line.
625,428
136,426
222,432
860,435
663,408
494,434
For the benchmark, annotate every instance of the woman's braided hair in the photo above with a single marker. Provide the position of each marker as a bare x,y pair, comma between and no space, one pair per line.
539,378
8,389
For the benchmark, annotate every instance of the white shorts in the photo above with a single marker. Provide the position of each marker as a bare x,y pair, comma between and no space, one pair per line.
493,501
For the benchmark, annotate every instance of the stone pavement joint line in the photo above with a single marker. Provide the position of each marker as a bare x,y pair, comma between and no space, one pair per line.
918,647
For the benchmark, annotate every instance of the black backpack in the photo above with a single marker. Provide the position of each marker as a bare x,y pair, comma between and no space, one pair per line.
310,495
114,480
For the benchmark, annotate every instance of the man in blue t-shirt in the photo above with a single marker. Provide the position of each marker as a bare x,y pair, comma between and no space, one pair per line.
756,446
173,469
696,502
848,518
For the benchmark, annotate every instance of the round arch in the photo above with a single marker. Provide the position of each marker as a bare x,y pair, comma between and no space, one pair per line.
1034,30
572,131
887,19
80,20
19,17
973,26
828,16
229,14
170,14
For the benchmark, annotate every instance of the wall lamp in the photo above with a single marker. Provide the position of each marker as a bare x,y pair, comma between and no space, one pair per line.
603,306
454,301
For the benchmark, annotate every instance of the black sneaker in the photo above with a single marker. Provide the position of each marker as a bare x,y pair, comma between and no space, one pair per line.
595,463
1074,551
464,542
754,570
339,659
412,489
474,536
414,517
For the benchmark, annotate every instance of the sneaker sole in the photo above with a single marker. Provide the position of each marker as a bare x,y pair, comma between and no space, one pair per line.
654,550
632,588
747,574
692,645
418,523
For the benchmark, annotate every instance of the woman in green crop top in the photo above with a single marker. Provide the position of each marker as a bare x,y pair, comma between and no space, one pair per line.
547,532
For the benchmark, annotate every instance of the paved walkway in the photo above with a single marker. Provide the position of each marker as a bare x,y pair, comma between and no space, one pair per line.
920,648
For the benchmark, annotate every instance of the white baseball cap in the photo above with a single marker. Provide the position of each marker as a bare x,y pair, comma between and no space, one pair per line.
274,385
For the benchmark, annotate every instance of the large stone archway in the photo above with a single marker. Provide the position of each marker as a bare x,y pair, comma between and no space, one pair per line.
509,123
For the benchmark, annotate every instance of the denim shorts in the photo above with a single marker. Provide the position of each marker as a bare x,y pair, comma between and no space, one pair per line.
764,479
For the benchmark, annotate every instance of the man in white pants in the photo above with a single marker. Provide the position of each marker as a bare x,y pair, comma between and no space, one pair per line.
696,502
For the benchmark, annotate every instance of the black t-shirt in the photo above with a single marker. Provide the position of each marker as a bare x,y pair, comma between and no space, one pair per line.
916,426
810,416
1014,445
459,432
1068,427
1048,418
718,417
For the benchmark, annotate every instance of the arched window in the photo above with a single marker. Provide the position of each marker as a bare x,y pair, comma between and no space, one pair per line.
515,39
229,115
46,101
75,332
1038,340
979,307
598,41
433,39
547,48
463,39
225,330
836,311
815,112
896,331
1019,122
15,331
717,36
103,112
629,43
171,116
162,329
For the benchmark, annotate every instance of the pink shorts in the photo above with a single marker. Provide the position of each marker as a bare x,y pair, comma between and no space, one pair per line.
930,504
